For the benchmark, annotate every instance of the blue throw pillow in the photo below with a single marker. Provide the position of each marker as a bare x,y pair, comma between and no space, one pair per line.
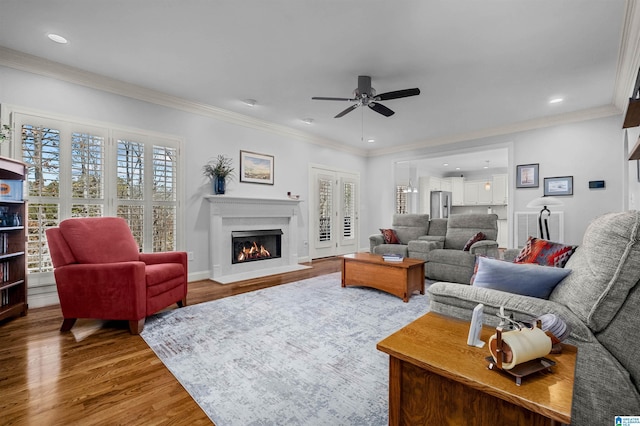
528,279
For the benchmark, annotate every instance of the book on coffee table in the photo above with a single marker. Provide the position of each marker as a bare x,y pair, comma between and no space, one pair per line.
392,257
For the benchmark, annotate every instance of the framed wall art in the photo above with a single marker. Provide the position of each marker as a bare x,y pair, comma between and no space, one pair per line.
256,168
562,185
527,176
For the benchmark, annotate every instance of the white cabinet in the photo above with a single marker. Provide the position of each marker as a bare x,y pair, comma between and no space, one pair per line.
475,193
499,190
471,193
457,191
445,184
485,196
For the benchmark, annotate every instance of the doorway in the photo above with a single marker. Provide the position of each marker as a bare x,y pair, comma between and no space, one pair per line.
334,203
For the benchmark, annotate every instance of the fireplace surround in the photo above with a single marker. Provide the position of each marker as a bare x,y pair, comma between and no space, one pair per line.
230,214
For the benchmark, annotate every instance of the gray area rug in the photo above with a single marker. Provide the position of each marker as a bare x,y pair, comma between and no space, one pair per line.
297,354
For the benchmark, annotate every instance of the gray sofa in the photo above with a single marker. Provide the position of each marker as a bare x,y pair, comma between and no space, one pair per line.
408,227
445,260
599,299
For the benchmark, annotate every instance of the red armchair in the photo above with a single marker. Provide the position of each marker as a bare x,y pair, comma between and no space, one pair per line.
100,273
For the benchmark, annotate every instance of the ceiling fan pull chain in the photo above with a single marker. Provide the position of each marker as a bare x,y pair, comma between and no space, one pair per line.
362,132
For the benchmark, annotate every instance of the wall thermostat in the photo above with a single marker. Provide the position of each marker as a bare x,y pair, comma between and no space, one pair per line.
596,184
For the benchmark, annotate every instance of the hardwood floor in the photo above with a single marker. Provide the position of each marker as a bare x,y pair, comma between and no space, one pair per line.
98,373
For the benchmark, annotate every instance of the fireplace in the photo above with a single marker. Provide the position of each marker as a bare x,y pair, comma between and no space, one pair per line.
249,246
230,214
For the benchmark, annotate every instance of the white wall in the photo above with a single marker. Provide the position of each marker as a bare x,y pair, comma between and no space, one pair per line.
588,150
204,137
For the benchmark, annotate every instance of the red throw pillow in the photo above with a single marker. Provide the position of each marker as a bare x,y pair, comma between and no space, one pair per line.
478,237
390,236
546,253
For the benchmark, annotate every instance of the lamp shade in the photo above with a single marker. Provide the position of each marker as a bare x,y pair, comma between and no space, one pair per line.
543,202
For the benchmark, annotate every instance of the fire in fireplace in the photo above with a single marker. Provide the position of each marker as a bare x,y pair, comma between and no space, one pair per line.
248,246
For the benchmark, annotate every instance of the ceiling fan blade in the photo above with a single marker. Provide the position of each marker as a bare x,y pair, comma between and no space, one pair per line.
323,98
347,111
381,109
397,94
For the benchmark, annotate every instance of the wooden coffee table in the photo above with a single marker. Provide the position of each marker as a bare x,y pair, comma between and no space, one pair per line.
435,378
370,270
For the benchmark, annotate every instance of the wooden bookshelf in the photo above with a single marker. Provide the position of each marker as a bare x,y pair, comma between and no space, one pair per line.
13,238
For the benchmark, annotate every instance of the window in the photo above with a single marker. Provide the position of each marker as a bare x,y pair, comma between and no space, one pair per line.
78,170
348,209
325,201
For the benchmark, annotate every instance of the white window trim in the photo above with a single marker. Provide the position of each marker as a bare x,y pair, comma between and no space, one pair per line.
113,131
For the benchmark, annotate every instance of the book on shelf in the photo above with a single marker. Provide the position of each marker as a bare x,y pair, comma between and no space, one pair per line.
392,257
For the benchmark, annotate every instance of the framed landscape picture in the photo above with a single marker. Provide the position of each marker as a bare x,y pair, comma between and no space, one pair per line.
562,185
527,176
256,168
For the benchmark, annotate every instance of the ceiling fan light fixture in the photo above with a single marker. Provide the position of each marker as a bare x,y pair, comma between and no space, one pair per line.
307,120
365,95
249,102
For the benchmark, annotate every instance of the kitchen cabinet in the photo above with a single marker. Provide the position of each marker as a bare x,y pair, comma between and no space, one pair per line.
457,191
13,279
475,193
499,190
471,193
485,196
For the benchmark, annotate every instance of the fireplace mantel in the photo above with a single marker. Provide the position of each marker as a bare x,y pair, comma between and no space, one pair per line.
240,206
228,213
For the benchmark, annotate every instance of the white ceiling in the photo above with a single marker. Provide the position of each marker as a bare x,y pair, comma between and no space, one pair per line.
480,65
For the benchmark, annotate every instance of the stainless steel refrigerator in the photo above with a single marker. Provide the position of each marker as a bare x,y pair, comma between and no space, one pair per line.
440,204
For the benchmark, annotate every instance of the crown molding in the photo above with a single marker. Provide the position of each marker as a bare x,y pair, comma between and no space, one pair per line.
538,123
51,69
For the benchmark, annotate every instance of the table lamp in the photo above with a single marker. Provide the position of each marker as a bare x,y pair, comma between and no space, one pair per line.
544,202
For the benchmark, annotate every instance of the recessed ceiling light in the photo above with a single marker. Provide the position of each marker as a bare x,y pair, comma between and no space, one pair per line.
457,168
556,100
445,164
249,102
57,38
371,140
307,120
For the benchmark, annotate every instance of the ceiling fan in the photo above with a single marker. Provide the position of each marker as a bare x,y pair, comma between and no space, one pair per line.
366,95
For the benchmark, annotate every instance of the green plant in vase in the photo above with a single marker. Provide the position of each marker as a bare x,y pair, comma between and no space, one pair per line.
219,170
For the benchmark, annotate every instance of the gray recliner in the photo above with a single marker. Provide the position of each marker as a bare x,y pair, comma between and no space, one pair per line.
408,227
448,262
599,301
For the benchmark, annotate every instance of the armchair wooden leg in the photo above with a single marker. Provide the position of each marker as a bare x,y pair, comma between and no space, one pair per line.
136,326
67,324
182,303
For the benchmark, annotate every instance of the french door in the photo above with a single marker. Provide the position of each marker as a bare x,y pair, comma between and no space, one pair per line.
333,212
